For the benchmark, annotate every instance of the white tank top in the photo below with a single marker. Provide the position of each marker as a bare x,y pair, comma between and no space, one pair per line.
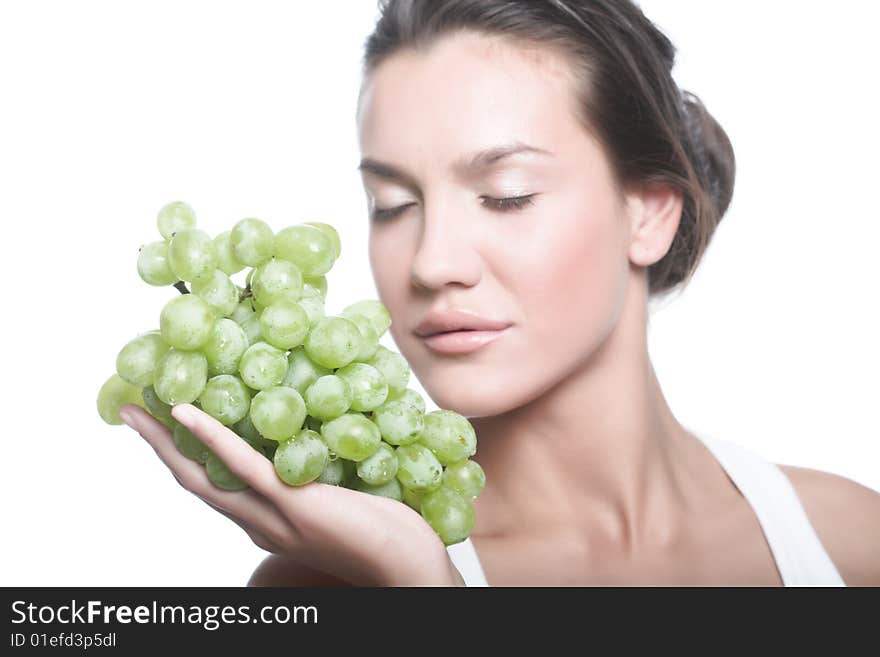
800,557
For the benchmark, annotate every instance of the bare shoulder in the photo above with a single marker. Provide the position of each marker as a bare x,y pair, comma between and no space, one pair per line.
846,517
278,570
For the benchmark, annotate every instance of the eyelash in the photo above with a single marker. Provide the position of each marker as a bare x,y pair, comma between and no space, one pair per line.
503,204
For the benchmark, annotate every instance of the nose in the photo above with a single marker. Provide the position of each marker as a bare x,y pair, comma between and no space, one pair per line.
447,253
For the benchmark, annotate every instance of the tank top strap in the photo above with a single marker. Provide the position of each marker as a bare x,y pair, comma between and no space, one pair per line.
800,556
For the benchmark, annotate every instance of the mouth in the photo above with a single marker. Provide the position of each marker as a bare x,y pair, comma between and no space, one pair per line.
458,330
462,341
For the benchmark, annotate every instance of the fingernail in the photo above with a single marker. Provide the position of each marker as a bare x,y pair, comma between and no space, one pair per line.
183,413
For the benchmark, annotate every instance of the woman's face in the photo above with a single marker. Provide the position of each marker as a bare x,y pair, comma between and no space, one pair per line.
556,269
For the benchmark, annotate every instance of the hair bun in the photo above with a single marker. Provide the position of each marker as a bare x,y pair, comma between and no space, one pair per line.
712,152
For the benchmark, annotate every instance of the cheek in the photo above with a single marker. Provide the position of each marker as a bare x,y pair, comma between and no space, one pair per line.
570,278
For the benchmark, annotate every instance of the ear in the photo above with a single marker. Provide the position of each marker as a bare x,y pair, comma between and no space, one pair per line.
654,211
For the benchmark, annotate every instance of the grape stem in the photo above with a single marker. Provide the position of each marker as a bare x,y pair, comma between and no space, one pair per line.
181,287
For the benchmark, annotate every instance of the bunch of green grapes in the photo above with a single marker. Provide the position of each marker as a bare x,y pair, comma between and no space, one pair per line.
316,394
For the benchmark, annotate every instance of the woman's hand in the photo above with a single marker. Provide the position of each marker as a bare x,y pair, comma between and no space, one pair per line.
364,539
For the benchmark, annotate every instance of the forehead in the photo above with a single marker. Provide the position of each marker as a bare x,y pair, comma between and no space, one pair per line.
465,92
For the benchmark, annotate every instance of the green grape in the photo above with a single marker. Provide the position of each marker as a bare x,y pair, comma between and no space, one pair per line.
418,468
248,432
262,366
180,376
136,361
278,413
466,477
157,408
372,309
186,322
408,395
192,254
412,499
242,311
252,330
394,368
302,458
218,291
174,217
328,397
225,398
258,446
351,436
277,280
226,260
113,395
225,347
349,470
330,232
189,445
152,264
368,389
391,489
370,341
449,514
313,307
302,371
309,248
333,474
315,287
333,342
284,324
221,476
399,422
264,449
449,435
378,468
251,242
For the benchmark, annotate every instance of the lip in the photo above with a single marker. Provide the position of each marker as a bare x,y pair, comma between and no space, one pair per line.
462,342
456,321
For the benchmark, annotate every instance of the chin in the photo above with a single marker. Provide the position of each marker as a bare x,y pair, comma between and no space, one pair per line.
489,396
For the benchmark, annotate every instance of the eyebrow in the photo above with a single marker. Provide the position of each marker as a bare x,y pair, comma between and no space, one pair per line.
468,164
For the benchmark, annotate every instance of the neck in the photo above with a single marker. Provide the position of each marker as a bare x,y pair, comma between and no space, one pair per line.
600,454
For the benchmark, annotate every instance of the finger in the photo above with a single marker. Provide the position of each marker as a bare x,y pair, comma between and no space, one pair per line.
259,539
247,505
242,459
256,516
159,437
314,511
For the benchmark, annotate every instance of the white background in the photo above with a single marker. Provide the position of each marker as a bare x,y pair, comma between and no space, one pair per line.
108,110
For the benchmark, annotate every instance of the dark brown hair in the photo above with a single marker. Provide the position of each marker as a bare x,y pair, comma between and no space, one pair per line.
651,130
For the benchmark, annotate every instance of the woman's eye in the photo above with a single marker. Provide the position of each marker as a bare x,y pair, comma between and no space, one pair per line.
380,214
510,203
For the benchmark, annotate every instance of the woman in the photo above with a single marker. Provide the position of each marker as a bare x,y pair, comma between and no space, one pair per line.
533,170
